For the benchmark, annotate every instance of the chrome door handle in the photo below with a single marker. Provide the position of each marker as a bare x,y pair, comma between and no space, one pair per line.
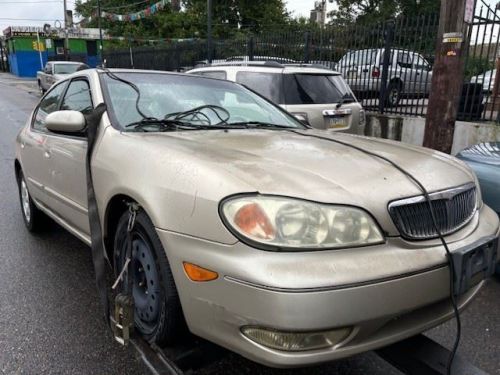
46,154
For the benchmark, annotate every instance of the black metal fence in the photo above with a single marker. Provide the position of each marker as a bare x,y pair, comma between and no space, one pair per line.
388,65
480,95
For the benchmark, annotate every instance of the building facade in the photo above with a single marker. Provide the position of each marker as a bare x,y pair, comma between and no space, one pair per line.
29,48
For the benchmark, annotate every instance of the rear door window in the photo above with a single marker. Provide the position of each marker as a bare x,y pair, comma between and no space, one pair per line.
316,89
268,85
405,60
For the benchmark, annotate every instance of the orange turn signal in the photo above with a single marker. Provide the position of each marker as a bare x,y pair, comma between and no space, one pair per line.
197,273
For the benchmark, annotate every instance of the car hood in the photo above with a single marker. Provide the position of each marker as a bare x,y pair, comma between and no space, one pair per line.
484,153
220,163
285,163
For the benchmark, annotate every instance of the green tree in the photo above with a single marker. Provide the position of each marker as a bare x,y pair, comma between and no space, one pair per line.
367,11
230,17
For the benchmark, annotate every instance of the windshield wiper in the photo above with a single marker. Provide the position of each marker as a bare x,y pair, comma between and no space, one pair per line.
163,125
347,98
166,125
258,124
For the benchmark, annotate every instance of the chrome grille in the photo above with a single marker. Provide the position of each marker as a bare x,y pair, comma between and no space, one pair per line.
453,208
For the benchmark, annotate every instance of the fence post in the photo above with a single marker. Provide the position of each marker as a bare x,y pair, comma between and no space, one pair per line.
389,37
250,48
307,41
131,53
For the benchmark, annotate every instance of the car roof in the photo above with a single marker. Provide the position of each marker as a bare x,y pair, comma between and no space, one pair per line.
124,70
267,67
67,62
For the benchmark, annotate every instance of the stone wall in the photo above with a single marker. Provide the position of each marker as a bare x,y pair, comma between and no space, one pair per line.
411,130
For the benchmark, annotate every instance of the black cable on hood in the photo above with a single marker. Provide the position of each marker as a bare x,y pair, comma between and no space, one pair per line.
434,223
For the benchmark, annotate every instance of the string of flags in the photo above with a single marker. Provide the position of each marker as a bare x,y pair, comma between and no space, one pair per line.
150,10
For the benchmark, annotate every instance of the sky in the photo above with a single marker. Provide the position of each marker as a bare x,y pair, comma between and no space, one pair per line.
38,12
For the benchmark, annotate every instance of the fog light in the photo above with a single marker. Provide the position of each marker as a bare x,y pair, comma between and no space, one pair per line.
296,341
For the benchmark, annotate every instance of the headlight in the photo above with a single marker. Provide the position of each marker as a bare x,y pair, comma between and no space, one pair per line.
280,222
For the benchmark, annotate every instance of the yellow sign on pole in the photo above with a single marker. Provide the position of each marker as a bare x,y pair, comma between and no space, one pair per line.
38,46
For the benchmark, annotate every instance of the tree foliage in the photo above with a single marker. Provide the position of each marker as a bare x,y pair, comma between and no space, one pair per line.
230,17
367,11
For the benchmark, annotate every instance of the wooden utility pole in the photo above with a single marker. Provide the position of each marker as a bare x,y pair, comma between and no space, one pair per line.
447,76
66,39
209,31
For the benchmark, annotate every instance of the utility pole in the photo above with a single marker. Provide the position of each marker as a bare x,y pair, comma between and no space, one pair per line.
66,39
100,31
209,31
447,73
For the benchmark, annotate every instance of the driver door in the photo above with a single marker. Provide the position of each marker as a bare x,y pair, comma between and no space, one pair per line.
68,184
35,152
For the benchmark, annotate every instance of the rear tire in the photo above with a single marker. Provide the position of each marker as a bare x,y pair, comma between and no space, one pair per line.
393,95
34,219
158,314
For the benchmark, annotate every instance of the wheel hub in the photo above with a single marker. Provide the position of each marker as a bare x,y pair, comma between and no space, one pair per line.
394,95
25,201
146,281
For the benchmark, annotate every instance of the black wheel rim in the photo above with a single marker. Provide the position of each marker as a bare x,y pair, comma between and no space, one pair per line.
146,283
394,96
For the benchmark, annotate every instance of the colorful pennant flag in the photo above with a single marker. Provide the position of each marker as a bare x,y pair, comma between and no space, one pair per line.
150,10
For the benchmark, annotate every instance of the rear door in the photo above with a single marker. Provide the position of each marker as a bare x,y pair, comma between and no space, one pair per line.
68,184
423,73
405,72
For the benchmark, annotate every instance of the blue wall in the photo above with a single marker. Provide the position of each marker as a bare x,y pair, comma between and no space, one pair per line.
26,63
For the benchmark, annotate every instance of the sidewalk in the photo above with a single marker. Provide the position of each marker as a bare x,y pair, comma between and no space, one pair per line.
23,83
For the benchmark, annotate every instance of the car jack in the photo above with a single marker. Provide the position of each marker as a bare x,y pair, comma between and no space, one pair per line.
123,321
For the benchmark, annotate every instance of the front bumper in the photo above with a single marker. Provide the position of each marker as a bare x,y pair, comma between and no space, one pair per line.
386,293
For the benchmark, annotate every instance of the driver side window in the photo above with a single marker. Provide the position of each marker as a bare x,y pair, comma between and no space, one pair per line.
49,104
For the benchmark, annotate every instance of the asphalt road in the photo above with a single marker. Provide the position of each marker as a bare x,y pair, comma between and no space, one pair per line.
50,318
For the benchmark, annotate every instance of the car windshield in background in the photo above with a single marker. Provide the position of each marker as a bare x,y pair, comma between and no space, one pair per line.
316,89
68,68
165,96
362,57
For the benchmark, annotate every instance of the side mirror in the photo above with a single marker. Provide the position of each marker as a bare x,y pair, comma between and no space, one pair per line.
65,121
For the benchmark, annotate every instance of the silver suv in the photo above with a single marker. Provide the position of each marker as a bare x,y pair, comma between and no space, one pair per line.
316,95
409,73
